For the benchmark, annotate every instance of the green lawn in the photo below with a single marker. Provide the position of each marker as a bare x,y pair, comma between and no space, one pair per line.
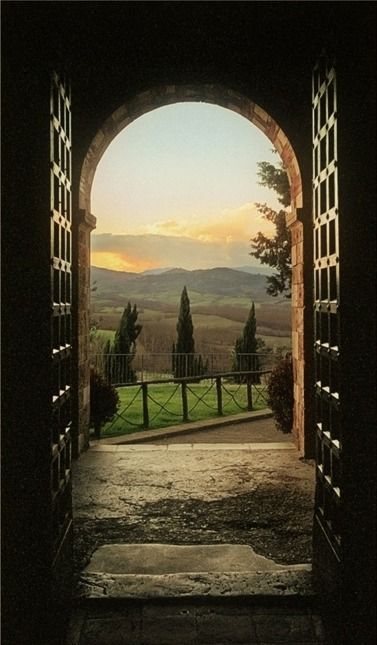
170,397
106,334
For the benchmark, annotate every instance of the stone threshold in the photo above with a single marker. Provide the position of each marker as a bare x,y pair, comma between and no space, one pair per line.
295,581
193,446
183,428
141,571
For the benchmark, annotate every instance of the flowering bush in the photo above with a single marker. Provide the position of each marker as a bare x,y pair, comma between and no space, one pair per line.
280,394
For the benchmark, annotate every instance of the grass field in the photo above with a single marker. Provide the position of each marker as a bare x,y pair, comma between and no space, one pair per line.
106,334
169,395
213,321
208,339
220,302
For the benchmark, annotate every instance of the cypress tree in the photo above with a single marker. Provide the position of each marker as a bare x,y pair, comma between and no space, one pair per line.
248,336
125,345
185,345
247,344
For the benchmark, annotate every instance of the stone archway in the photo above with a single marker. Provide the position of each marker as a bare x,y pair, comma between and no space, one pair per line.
142,103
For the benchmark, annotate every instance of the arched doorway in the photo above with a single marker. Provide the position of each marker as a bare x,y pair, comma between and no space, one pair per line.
142,103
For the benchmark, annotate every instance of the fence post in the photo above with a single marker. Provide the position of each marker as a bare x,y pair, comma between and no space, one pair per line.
184,401
249,393
144,389
219,395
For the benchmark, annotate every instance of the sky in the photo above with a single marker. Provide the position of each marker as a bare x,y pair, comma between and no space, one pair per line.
177,188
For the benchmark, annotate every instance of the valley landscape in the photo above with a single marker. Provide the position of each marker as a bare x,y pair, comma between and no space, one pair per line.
220,301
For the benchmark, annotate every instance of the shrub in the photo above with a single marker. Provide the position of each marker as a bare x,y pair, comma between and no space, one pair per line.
104,402
280,394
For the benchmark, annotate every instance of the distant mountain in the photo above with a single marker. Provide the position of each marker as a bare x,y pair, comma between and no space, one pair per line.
166,287
246,269
252,269
156,271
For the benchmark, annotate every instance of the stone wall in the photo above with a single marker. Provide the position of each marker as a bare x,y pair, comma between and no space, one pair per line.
86,223
298,358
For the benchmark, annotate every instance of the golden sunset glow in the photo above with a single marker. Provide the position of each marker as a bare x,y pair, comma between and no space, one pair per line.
120,262
232,224
177,188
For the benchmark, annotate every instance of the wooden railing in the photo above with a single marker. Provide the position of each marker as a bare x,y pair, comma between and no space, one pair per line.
253,381
118,369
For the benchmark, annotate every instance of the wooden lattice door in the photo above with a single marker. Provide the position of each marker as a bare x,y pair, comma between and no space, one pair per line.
326,297
61,298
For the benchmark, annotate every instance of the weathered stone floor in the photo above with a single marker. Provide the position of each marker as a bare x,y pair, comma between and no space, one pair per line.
254,492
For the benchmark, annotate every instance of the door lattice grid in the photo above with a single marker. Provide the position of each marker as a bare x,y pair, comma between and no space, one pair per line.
326,295
61,290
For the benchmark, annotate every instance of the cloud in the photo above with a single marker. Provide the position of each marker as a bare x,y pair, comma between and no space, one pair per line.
232,224
168,225
190,243
119,261
141,252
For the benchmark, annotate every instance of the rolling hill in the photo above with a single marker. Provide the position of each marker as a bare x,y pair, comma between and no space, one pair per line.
166,287
220,300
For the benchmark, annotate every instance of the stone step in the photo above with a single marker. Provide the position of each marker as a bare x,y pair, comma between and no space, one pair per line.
197,621
175,571
161,594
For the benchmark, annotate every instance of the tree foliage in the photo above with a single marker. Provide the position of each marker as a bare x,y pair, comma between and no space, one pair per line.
184,361
185,329
119,356
184,348
275,178
246,347
280,394
128,331
275,251
104,402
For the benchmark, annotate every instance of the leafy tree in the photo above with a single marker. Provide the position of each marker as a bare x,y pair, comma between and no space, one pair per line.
275,251
104,402
275,178
122,353
245,345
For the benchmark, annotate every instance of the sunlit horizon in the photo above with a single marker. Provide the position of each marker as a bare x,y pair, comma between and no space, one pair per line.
177,188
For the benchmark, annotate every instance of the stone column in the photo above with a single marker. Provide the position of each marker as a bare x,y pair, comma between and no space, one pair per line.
296,229
302,332
86,224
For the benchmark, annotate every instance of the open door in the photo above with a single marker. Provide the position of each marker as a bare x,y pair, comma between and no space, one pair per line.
61,331
327,551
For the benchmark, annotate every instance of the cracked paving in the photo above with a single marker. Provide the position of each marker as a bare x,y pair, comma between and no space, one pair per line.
263,498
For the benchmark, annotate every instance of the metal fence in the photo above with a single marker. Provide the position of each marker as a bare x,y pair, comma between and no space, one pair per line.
120,369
